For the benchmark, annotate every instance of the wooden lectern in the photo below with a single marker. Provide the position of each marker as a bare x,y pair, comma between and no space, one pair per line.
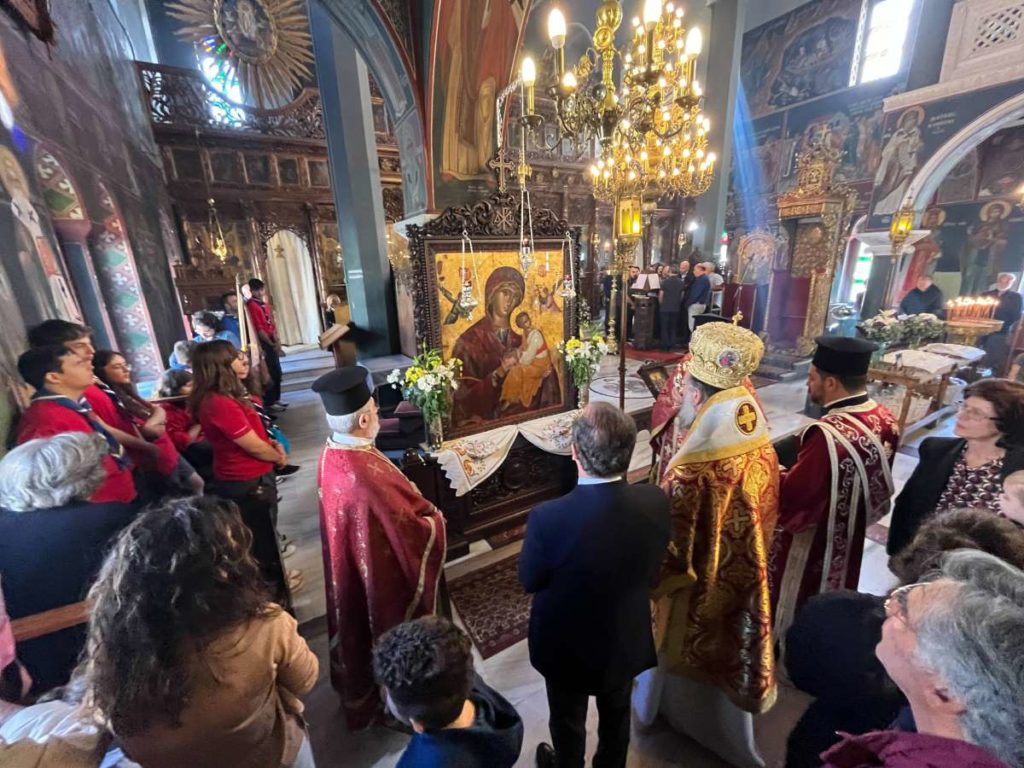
338,338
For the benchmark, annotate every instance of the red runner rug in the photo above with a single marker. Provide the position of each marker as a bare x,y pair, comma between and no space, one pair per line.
493,607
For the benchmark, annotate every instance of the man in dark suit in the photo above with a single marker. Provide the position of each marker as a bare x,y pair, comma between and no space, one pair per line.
997,345
697,297
1010,301
589,560
670,301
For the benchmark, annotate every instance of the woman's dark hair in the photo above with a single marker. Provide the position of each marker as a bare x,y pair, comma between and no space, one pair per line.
133,402
960,529
172,381
427,667
206,318
212,373
180,576
1007,398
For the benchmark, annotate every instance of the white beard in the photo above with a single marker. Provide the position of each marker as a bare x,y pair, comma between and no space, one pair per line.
687,414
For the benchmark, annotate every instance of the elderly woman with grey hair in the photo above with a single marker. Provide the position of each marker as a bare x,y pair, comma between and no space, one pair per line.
953,646
52,540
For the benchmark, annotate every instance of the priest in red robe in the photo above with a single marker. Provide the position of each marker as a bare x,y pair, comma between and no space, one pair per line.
840,483
383,543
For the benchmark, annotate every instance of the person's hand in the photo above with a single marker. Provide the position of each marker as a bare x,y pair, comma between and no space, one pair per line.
158,418
280,350
509,360
282,456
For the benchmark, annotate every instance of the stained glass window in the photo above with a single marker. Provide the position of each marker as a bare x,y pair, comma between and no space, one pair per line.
222,78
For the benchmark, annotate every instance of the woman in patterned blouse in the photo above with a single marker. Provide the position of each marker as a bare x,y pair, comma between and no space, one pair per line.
965,472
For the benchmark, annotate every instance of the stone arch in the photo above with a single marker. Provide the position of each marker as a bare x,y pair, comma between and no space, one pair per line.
391,66
928,178
118,276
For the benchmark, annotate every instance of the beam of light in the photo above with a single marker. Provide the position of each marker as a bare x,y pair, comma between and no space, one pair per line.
748,181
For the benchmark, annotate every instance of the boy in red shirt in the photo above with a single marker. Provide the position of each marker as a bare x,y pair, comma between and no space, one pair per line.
78,339
263,321
60,377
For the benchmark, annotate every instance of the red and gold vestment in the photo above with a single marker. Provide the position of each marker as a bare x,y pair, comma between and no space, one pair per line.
840,484
712,617
384,547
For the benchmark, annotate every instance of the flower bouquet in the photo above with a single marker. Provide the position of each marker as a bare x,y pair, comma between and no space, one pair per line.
583,358
883,328
918,330
428,384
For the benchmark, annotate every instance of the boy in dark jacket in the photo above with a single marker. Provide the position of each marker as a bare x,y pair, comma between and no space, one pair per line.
426,669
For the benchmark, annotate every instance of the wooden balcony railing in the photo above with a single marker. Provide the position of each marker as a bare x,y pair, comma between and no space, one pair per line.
180,99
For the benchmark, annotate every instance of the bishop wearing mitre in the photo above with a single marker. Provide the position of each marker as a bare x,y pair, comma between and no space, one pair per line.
383,543
711,604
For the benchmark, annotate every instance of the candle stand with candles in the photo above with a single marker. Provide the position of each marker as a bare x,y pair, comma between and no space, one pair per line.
968,318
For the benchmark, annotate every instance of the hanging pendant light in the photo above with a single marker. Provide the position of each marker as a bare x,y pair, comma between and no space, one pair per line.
467,300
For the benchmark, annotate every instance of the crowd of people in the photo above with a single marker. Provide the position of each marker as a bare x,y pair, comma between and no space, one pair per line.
679,295
687,598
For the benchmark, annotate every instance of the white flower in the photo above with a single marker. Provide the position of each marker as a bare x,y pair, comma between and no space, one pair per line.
423,385
395,376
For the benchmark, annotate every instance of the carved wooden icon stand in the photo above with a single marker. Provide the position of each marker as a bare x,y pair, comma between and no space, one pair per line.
528,475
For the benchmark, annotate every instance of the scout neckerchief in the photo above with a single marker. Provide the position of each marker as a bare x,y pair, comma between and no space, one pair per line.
83,408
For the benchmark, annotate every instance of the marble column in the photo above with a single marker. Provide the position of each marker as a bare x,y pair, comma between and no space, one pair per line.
721,55
355,180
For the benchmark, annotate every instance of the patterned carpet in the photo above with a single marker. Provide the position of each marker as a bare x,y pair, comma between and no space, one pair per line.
493,607
499,540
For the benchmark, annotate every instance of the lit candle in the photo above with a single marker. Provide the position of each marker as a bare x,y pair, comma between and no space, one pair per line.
652,12
528,73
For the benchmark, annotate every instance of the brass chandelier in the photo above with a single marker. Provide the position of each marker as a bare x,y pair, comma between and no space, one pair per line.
648,122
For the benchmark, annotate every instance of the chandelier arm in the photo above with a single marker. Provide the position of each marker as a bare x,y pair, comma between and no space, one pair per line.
499,129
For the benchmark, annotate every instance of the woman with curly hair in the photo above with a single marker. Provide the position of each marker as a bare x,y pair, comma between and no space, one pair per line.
966,471
188,660
244,456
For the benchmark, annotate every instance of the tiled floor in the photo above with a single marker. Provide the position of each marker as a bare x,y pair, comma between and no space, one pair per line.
510,671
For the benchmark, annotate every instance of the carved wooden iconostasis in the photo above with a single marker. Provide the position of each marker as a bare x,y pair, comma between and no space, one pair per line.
815,217
527,301
267,171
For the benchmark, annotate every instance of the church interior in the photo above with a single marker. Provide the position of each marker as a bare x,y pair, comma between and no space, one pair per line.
370,285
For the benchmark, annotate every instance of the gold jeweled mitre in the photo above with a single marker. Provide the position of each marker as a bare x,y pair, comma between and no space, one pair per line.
724,354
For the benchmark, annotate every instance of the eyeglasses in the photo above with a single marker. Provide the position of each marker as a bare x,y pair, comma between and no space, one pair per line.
126,367
973,414
897,602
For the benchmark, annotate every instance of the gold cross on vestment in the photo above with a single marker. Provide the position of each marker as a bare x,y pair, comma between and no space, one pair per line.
503,168
746,418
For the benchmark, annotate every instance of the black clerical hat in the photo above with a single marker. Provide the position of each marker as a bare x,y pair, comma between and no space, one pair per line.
707,317
343,390
843,355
